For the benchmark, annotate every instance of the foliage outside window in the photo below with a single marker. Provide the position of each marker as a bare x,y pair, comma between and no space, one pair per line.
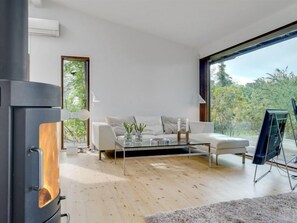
238,109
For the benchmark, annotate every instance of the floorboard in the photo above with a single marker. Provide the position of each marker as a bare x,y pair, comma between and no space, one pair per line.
97,191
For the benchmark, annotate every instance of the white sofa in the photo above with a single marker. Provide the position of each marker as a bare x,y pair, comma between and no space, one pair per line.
104,135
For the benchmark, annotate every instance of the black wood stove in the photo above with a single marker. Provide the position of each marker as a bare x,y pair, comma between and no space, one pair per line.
29,117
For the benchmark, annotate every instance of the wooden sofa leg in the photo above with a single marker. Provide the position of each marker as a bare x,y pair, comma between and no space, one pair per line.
243,158
217,162
99,154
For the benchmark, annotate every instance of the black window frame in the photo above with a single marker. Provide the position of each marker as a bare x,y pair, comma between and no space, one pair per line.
275,36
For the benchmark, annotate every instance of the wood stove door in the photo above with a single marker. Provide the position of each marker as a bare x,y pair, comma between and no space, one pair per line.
36,192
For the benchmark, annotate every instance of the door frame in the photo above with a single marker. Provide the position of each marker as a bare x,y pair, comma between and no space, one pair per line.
87,60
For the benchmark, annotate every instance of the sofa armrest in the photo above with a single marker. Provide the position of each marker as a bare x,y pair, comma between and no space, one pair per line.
103,136
201,127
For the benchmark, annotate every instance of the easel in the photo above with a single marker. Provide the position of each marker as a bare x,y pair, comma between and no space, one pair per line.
283,152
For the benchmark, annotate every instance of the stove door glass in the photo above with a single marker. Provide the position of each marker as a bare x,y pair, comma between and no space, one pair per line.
48,143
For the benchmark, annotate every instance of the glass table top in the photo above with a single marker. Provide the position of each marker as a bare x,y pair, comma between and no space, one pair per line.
158,142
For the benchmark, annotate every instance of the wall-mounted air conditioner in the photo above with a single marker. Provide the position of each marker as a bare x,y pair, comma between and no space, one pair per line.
44,27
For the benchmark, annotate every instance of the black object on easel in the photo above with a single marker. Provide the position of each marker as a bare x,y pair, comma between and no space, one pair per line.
270,142
295,114
294,107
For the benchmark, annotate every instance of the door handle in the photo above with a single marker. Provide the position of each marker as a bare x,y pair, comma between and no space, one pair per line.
40,168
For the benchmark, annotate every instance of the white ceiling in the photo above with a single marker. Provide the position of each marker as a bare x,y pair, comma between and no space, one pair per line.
190,22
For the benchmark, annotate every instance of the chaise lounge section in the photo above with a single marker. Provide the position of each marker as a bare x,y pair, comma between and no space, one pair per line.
105,134
222,144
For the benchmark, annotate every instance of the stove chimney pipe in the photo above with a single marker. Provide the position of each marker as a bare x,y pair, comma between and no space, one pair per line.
14,61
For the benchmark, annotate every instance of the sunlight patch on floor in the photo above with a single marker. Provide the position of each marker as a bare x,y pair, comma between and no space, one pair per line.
164,166
87,176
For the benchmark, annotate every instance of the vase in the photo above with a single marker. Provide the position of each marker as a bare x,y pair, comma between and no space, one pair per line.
138,137
128,137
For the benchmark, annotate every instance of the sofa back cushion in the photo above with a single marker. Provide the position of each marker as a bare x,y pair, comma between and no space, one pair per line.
153,124
170,124
117,123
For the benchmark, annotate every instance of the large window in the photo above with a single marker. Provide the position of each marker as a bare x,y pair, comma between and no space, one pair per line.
240,85
243,87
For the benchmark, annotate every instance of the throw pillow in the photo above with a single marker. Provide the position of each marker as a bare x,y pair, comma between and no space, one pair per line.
170,124
153,124
117,123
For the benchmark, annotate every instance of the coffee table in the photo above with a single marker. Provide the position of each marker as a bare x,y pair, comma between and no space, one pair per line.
153,144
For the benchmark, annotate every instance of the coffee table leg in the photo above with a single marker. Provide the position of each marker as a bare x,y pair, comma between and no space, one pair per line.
124,159
115,153
189,148
209,157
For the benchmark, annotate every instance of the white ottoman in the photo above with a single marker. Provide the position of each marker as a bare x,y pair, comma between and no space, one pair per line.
222,144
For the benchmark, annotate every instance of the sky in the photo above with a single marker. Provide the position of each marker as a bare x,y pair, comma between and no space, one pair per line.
247,68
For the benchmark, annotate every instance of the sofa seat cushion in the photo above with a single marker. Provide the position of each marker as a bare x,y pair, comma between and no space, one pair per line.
153,124
117,123
220,141
167,136
148,137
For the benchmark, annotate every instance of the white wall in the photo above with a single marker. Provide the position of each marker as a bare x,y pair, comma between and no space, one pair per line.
131,72
265,25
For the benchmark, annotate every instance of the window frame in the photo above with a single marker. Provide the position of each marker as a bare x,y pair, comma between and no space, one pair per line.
87,60
275,36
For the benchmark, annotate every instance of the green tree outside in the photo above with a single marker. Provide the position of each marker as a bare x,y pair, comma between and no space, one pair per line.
239,109
222,78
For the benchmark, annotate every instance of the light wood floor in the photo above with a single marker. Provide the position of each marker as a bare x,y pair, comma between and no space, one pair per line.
97,191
